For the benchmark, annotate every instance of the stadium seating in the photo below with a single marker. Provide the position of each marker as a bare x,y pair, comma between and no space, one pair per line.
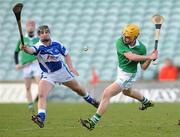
95,24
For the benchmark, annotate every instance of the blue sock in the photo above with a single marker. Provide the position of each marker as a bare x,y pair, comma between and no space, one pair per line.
42,114
88,98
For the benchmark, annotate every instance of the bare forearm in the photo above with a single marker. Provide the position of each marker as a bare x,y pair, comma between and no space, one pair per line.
135,57
68,61
27,49
70,66
146,64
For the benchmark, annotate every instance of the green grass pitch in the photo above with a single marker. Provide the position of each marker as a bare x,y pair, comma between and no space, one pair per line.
121,120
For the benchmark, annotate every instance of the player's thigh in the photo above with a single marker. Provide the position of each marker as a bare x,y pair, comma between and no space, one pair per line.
125,80
73,84
37,79
112,90
36,71
27,82
27,71
44,88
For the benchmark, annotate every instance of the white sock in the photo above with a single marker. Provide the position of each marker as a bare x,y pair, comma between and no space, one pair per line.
86,95
41,110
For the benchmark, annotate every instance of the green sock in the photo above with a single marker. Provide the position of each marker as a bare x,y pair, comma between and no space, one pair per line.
95,118
144,100
30,105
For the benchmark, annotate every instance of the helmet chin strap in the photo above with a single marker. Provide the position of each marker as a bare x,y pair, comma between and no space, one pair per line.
133,43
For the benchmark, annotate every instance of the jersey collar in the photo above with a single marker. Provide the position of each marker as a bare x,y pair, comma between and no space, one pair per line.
137,44
26,35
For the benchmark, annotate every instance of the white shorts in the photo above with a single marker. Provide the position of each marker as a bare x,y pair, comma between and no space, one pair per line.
125,80
31,70
59,76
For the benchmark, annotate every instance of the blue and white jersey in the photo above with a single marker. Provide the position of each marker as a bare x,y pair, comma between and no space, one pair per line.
49,57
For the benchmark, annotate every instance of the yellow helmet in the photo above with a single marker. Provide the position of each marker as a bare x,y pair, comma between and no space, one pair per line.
131,30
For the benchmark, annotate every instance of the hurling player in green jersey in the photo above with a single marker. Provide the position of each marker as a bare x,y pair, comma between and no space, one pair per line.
130,52
28,63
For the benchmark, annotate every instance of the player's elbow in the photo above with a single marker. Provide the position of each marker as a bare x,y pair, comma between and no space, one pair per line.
67,55
144,67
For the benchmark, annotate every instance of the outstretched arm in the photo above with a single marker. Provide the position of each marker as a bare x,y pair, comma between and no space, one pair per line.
27,49
69,64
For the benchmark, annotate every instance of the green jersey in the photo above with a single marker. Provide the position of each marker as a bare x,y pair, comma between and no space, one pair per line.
25,57
124,63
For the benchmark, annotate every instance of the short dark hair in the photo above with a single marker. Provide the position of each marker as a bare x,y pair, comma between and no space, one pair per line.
43,27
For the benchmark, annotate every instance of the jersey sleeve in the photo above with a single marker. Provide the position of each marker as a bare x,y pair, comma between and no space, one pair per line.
17,49
63,50
35,48
144,52
121,48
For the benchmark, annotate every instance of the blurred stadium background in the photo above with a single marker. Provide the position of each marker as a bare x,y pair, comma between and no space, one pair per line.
95,24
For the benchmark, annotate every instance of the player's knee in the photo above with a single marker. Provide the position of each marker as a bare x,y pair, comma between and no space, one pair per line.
28,89
41,96
106,94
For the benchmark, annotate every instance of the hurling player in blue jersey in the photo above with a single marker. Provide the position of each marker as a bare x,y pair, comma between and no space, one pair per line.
49,53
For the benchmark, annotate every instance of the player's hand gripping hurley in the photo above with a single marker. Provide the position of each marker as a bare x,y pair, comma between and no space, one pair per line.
157,20
17,12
